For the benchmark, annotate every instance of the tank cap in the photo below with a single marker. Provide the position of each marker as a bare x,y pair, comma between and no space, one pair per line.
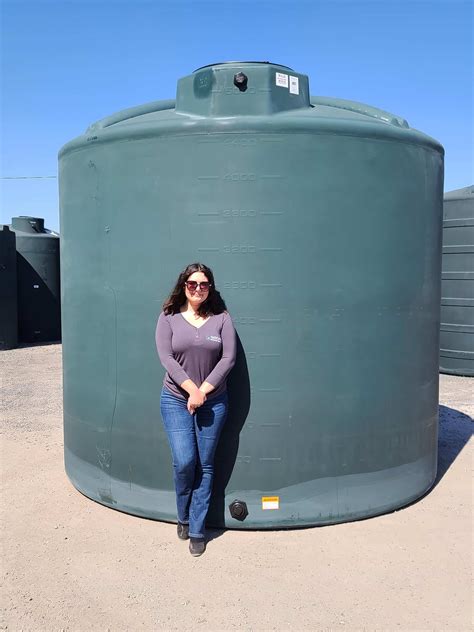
244,88
240,81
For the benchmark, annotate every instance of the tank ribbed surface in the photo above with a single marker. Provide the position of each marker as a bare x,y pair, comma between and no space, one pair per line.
322,220
457,303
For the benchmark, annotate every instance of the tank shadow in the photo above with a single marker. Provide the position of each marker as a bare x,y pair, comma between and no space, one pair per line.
455,430
238,388
213,534
28,345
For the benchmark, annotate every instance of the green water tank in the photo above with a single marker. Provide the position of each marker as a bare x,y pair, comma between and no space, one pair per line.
8,290
39,291
457,303
321,219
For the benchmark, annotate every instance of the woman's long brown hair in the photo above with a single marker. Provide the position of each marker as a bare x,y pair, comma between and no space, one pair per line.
214,304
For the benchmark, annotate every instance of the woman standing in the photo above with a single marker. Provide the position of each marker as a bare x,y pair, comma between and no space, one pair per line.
196,343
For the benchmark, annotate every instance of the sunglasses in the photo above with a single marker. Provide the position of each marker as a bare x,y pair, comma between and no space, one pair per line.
193,285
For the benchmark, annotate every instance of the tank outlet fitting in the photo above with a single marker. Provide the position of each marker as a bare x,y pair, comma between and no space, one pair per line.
238,510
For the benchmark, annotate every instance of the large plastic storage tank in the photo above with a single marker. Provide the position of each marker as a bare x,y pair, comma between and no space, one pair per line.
8,290
39,288
457,302
322,221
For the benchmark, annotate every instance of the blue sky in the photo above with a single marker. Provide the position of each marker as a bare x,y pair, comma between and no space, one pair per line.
68,63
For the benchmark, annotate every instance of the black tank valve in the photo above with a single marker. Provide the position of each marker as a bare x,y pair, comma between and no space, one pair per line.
238,510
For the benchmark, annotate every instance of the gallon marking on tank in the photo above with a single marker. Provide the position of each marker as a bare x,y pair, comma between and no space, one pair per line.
239,249
239,213
253,355
230,90
243,459
240,141
240,285
239,177
252,320
208,213
270,458
270,284
245,320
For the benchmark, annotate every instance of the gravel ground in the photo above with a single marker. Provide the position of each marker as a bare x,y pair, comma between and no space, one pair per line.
72,564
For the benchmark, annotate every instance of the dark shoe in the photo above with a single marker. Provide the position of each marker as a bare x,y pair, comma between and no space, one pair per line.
183,531
197,546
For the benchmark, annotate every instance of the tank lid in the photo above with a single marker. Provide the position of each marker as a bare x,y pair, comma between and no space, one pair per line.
27,224
242,88
233,63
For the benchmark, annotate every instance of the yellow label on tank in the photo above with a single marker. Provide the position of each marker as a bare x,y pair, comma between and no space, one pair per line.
270,502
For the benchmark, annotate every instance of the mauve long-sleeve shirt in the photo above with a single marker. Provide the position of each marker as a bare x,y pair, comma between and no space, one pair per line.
201,354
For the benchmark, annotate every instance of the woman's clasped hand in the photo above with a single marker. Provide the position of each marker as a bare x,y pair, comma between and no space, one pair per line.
195,400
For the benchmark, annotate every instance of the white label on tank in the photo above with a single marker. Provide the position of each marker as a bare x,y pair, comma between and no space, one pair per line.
36,286
281,79
270,502
294,85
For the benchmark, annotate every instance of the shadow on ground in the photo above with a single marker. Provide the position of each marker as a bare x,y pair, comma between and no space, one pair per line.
455,430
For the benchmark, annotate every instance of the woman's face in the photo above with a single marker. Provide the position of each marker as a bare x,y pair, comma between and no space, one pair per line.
198,295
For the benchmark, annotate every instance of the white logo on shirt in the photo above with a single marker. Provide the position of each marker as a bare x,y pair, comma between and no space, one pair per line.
213,338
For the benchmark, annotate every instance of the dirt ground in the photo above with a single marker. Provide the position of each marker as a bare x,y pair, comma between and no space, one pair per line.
72,564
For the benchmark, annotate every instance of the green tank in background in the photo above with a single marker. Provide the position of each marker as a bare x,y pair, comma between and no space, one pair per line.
322,221
457,303
39,291
8,290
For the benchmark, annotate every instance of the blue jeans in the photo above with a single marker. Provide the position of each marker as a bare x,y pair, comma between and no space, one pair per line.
193,440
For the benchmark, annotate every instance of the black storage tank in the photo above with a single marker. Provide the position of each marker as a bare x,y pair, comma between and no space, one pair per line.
8,290
39,297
